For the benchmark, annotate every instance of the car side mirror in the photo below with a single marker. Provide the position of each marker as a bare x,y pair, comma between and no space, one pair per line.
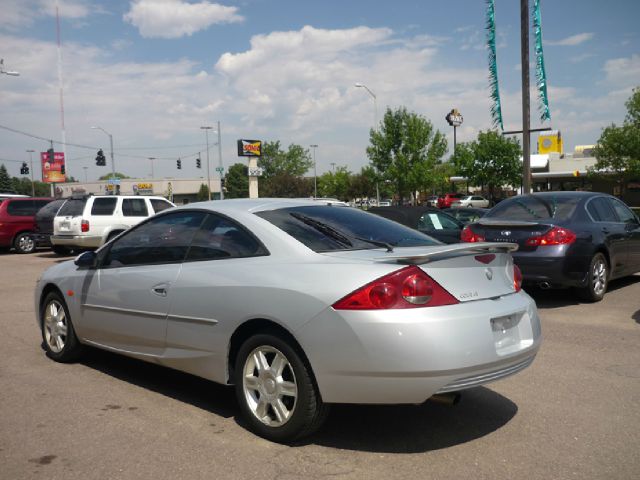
86,260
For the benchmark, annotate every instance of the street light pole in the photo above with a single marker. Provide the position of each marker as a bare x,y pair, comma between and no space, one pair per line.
524,61
375,126
206,134
33,188
315,172
220,167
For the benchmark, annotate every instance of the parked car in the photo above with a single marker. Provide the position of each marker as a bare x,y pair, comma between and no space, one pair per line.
88,221
298,304
477,201
432,201
17,222
449,200
466,214
565,239
44,224
430,221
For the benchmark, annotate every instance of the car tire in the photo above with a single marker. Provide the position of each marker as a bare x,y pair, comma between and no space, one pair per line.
276,391
24,243
58,335
597,279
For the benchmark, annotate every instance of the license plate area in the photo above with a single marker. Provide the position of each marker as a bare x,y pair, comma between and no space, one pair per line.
65,226
506,332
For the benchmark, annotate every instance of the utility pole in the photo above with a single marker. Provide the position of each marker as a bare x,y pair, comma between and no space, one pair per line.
526,104
220,167
206,133
33,188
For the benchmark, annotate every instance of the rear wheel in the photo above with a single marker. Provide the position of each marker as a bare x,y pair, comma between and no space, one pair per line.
275,389
59,337
24,243
597,279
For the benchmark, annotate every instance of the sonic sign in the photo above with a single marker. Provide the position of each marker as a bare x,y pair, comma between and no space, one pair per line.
249,148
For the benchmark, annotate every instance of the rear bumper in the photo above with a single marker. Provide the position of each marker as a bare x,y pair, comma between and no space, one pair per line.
553,267
84,241
406,357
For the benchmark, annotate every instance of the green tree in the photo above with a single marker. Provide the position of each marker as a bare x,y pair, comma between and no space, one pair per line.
618,149
363,184
275,161
285,185
335,184
116,175
405,150
5,180
237,181
490,161
203,193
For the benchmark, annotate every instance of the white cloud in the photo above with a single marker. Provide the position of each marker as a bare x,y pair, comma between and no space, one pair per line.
571,41
17,14
623,71
177,18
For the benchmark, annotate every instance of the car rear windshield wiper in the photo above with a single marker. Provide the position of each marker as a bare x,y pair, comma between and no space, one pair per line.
323,228
336,234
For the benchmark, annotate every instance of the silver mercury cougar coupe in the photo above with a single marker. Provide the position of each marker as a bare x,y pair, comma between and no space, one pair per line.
297,303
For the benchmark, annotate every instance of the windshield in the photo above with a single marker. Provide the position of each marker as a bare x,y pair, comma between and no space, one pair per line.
532,208
327,228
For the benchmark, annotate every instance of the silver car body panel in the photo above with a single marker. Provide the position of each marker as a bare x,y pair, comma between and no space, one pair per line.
384,356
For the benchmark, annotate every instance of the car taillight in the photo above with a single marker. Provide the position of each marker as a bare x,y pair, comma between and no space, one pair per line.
555,236
84,226
517,278
409,287
469,235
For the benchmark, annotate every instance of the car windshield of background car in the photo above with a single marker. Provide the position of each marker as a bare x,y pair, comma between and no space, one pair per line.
534,208
346,225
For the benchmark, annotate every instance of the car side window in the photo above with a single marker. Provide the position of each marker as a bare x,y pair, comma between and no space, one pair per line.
159,205
134,207
20,208
624,213
221,238
163,239
601,211
103,206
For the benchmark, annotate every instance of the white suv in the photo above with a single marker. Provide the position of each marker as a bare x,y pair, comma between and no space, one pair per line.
91,221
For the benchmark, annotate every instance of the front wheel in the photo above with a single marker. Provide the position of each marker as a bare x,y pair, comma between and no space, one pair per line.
597,279
275,389
24,243
60,341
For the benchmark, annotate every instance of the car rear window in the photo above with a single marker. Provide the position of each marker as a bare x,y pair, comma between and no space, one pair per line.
532,208
73,207
25,208
103,206
134,207
327,228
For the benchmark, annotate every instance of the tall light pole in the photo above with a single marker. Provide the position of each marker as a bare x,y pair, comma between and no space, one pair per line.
113,163
206,134
375,125
220,167
33,188
315,172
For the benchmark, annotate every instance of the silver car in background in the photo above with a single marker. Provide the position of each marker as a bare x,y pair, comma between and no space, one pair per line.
297,303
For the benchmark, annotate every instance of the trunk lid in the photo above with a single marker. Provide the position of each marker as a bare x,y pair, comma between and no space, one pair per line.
510,231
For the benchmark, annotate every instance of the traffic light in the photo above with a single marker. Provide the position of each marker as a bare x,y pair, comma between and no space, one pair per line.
51,155
101,160
179,164
198,163
222,183
62,169
24,169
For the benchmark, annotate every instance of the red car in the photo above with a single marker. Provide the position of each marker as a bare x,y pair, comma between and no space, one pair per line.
17,222
448,199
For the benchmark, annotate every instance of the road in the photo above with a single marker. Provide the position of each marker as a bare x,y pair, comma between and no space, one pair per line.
574,414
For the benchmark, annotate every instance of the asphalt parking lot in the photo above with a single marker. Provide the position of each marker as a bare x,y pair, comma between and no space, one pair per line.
574,414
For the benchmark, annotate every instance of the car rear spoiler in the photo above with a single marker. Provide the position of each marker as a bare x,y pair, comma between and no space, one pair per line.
446,250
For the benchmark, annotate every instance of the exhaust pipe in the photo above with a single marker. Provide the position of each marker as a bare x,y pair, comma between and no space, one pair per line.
449,399
544,285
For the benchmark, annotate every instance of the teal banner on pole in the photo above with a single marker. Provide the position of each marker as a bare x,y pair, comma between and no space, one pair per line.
541,74
496,109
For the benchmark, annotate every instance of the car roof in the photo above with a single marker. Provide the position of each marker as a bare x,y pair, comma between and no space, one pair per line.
253,205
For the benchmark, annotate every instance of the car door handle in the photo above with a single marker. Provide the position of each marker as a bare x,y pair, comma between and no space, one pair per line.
160,290
605,230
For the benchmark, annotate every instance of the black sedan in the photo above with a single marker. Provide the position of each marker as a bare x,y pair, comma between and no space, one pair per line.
566,239
432,221
467,214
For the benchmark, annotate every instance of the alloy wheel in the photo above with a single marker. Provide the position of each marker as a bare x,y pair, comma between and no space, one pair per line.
55,326
269,386
599,276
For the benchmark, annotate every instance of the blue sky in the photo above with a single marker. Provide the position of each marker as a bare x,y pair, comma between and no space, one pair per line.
151,72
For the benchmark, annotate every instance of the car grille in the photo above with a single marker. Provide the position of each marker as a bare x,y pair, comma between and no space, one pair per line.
474,381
